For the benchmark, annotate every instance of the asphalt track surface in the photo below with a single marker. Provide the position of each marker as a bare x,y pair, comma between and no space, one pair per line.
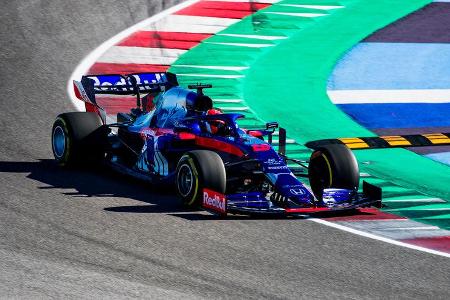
90,234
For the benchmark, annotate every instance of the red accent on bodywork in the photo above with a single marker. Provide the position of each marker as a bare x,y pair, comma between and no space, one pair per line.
255,133
91,108
186,136
113,105
147,102
260,147
77,92
214,201
219,145
154,131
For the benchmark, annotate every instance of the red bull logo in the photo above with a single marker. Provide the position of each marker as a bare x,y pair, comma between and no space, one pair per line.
214,201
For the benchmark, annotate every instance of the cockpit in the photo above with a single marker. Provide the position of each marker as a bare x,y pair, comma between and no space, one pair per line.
170,107
177,104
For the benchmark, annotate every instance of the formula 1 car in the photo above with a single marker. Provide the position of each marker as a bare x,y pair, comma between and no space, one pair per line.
174,135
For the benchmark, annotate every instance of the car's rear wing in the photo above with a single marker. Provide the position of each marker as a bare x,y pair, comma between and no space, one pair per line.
116,84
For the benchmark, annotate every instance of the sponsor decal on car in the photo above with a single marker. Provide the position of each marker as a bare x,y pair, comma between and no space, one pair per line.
277,168
214,201
273,161
297,191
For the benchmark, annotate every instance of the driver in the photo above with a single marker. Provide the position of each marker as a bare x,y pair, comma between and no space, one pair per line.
216,127
197,104
202,105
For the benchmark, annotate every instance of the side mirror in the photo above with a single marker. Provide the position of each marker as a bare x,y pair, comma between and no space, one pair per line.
272,125
282,141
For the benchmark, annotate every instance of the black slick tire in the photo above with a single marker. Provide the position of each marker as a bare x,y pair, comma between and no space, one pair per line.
197,170
78,138
332,166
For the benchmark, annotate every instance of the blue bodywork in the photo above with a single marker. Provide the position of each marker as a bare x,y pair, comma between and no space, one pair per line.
156,139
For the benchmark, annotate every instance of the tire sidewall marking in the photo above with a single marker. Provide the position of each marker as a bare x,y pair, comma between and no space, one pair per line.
330,173
187,160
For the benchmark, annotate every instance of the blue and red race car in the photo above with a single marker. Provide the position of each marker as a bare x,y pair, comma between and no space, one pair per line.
175,136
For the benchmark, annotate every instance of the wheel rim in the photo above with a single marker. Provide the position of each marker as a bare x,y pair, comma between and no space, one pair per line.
185,180
59,141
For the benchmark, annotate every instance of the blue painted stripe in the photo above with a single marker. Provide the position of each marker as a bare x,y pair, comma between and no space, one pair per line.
393,66
443,157
399,115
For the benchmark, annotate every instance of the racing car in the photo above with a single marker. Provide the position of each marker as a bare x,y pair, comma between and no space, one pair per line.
176,136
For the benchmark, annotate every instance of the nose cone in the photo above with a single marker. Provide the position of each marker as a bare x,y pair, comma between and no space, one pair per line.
290,187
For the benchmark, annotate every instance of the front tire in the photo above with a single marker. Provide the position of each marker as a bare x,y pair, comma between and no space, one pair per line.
333,166
78,137
197,170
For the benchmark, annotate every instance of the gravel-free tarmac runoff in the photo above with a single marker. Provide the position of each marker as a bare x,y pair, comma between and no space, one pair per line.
91,234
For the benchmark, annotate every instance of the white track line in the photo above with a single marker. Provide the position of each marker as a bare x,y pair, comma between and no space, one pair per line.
242,44
253,36
389,96
323,7
211,75
288,141
379,238
420,200
92,57
293,14
230,68
236,108
227,100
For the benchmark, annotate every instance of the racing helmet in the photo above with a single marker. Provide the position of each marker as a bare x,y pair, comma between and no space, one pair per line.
198,103
214,111
217,127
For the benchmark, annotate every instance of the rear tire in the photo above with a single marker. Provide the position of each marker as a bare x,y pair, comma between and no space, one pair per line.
78,137
197,170
333,166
